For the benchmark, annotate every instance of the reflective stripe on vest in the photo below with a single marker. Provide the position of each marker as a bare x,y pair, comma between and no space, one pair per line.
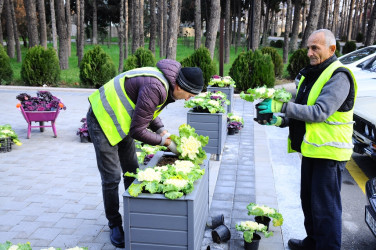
114,109
331,139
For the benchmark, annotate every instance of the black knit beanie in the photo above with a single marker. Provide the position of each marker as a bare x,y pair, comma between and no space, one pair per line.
191,80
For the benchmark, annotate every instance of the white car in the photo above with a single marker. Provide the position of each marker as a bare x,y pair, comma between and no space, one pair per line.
366,78
355,60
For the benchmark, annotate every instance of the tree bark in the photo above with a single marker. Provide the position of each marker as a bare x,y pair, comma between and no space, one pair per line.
15,30
62,32
320,22
365,18
211,33
254,25
197,24
287,32
173,30
78,10
82,31
136,24
42,23
350,21
1,28
304,14
95,22
266,25
335,24
165,27
161,28
68,17
32,23
227,31
53,24
295,26
141,19
121,37
10,31
153,26
371,30
312,21
126,25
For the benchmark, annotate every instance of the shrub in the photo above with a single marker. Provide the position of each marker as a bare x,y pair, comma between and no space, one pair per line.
6,72
201,58
279,43
40,66
297,61
96,68
276,58
142,58
359,38
272,43
252,69
348,47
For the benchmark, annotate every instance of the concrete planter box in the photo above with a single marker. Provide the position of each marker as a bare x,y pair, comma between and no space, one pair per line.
154,222
212,125
229,91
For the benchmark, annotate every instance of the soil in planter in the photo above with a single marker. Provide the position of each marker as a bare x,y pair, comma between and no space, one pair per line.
167,159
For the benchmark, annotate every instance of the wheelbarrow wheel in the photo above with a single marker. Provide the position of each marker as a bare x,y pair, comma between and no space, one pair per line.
41,128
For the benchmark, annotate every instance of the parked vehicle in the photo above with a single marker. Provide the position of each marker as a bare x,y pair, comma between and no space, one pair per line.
370,208
366,78
356,59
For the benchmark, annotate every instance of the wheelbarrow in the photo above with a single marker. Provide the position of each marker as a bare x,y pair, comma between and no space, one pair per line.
40,117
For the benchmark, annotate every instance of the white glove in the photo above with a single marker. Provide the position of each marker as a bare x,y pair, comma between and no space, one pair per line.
172,148
164,137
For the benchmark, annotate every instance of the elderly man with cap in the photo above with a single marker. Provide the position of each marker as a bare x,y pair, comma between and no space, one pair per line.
127,108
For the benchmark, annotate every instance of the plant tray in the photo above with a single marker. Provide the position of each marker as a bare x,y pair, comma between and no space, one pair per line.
153,222
5,145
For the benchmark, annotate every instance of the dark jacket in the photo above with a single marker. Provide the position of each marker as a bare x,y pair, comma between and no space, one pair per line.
147,93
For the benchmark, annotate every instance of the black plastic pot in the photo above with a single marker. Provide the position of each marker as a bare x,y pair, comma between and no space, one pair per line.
263,118
221,234
84,139
263,220
216,221
231,131
254,245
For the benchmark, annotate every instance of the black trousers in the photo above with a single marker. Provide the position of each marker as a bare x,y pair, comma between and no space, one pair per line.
113,162
321,202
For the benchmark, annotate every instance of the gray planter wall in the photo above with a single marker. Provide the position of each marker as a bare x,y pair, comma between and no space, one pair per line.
212,125
154,222
229,91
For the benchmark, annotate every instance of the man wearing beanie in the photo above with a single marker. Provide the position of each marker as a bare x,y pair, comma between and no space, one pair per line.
126,109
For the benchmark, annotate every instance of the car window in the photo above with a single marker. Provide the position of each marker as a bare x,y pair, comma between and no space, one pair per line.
371,65
357,55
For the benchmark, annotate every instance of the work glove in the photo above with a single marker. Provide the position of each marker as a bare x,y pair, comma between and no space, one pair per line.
172,148
270,106
276,121
164,137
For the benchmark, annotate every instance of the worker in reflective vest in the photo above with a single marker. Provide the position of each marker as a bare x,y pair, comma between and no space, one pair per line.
321,125
127,108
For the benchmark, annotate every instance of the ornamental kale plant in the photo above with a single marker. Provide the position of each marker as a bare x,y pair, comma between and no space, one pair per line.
190,145
44,101
6,131
147,152
173,181
256,210
226,81
212,102
250,227
281,95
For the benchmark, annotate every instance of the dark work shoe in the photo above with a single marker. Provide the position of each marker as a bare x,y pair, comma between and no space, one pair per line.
117,236
295,244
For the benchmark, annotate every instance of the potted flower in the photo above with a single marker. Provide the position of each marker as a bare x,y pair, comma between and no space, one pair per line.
254,94
209,102
83,132
235,118
250,236
263,214
233,126
224,84
7,138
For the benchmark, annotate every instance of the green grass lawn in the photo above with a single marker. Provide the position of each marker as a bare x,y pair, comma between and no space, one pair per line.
70,77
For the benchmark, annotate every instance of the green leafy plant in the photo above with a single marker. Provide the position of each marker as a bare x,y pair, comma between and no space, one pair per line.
263,92
212,102
6,72
190,144
256,210
250,227
6,131
297,61
217,81
96,68
276,58
349,46
234,118
40,66
147,152
142,58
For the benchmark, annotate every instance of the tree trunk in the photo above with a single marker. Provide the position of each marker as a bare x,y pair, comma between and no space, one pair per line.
304,16
287,32
68,17
197,24
371,30
237,39
326,17
42,23
53,24
136,28
15,30
78,10
350,21
320,22
343,18
82,31
165,27
227,31
153,26
211,34
295,26
173,29
1,28
266,25
161,28
365,18
312,21
126,16
62,32
141,19
95,22
335,23
10,31
32,24
121,37
254,25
